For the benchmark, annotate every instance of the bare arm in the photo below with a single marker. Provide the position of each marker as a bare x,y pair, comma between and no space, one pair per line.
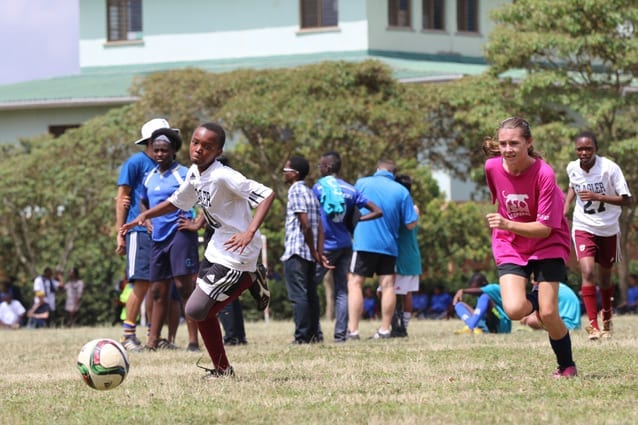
620,200
569,198
532,229
122,204
470,291
375,212
241,240
160,209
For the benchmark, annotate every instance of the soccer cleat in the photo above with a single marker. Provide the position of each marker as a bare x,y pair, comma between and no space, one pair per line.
568,372
259,289
594,334
131,343
380,335
608,329
216,373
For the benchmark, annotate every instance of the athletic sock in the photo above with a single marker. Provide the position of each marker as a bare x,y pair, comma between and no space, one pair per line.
591,305
128,328
607,296
563,350
406,318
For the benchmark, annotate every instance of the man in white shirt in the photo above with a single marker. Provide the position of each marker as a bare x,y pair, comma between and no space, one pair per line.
11,311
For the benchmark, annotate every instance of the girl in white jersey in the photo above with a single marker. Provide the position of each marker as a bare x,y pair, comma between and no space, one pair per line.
600,190
530,234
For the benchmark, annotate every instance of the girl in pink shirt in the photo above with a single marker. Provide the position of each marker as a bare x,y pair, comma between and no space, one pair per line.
530,234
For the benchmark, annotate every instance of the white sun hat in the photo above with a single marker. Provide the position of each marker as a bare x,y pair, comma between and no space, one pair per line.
150,126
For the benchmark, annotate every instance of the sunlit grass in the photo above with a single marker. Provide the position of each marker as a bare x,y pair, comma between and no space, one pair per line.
432,377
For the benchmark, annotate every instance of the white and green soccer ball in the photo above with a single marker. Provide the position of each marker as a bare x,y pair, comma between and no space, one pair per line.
103,363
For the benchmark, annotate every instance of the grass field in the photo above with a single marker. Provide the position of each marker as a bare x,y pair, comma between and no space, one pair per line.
432,377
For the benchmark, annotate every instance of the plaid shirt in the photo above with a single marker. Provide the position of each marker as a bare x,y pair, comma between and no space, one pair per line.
300,200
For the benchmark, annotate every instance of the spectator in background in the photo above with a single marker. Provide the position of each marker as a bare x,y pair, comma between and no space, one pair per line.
631,305
420,302
339,202
74,289
408,269
174,256
303,250
11,311
376,245
40,312
49,283
440,303
488,314
135,243
370,307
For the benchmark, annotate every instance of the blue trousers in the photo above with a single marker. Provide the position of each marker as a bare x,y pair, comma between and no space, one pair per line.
340,258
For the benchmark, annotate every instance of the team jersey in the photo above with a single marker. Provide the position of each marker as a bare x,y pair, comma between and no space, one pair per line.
158,187
530,196
336,233
409,258
493,290
568,306
226,197
604,177
132,175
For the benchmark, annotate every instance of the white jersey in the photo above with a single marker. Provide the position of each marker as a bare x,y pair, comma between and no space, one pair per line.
604,177
226,197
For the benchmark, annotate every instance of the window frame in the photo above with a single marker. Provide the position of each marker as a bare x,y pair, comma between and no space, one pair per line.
121,22
319,13
394,14
463,16
431,6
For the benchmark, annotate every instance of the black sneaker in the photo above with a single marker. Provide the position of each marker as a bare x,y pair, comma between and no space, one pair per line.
259,289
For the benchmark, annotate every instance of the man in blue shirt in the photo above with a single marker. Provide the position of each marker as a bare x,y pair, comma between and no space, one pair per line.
338,200
376,245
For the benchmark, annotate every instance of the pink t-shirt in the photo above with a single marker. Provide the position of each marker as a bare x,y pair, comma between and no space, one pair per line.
531,196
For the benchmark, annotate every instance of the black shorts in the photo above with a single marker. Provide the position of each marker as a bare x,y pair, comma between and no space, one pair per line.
367,264
550,270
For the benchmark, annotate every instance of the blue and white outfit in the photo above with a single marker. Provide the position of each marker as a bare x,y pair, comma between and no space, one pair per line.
138,240
338,200
174,252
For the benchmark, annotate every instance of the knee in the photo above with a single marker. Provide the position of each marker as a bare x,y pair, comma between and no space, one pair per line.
517,312
195,312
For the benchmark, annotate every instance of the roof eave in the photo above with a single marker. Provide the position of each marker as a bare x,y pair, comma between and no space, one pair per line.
67,103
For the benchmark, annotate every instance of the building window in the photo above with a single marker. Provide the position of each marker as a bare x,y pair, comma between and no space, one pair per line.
434,14
59,130
124,20
467,15
399,13
319,13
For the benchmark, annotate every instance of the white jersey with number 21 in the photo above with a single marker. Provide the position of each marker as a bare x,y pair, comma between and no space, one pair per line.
605,177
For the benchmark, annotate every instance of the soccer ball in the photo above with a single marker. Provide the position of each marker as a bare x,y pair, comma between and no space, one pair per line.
103,363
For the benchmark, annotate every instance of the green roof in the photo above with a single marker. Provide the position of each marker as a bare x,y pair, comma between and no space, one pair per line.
110,84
